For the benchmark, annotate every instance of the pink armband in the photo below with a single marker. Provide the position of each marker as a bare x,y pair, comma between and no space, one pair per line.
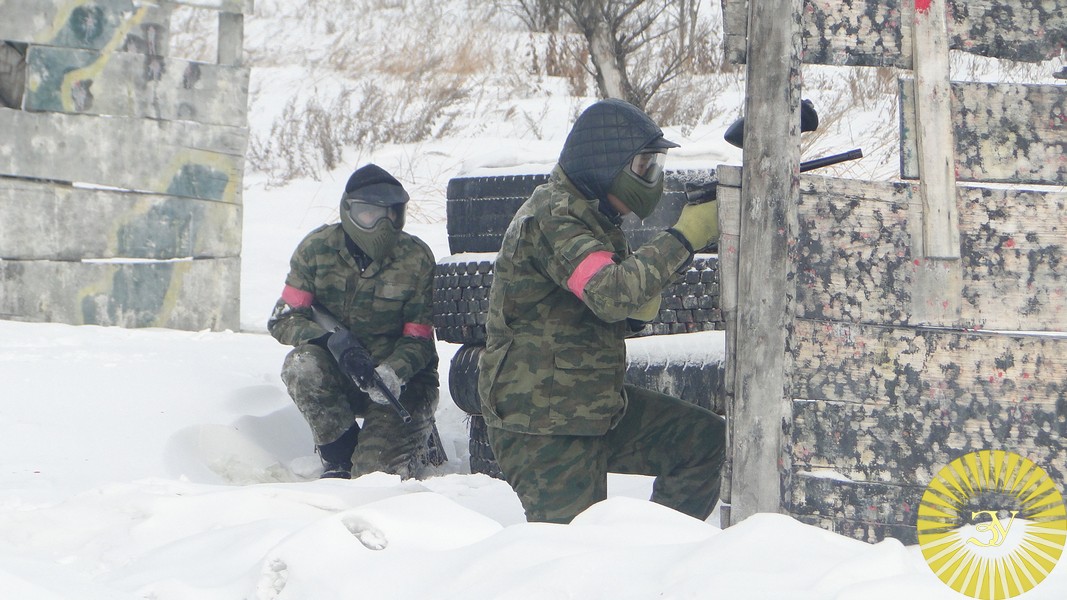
415,330
590,265
296,297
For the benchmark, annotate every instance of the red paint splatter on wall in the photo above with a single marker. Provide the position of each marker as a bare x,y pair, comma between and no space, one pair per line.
922,6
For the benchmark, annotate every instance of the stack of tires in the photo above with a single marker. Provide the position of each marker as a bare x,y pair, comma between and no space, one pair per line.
479,210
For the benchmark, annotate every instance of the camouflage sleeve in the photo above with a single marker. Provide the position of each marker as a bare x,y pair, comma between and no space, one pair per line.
611,286
415,348
290,322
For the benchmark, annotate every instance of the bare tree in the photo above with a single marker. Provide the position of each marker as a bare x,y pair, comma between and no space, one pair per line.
538,15
636,46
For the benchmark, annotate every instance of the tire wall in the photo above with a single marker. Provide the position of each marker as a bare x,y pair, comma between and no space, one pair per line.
461,299
479,210
697,383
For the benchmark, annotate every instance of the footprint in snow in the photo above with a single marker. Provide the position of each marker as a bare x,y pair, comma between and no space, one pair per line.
273,579
368,535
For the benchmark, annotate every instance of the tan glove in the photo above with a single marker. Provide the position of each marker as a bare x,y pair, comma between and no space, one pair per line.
648,311
391,381
699,223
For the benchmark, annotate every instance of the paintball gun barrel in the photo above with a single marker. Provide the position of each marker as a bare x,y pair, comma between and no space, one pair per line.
708,191
833,159
321,315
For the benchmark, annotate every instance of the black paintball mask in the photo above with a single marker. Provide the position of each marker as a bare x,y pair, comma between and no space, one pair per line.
372,210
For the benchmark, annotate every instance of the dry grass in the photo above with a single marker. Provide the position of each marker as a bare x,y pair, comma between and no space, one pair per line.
455,65
397,85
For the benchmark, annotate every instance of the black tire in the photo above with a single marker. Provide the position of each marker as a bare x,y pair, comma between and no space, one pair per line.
478,225
479,209
463,379
698,383
482,458
695,382
499,186
461,299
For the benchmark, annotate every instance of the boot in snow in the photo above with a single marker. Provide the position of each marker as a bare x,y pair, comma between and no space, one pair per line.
337,455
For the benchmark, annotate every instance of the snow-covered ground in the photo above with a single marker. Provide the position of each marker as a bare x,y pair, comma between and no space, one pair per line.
171,465
167,465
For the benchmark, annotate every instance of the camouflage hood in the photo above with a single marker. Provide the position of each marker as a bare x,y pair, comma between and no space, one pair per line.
602,141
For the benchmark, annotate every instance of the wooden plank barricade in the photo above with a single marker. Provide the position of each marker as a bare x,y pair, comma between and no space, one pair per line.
121,176
874,34
924,325
1004,132
882,395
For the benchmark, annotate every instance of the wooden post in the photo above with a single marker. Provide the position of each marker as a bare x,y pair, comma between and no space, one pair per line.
936,145
770,188
729,191
939,279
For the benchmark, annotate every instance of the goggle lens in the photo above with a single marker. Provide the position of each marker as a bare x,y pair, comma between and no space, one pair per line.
648,166
368,215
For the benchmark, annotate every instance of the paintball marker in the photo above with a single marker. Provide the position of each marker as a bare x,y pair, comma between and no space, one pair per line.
809,121
321,315
707,192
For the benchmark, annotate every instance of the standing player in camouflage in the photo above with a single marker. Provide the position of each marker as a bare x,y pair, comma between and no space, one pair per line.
378,281
566,292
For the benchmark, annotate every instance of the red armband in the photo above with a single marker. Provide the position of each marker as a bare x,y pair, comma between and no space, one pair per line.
590,265
416,330
296,297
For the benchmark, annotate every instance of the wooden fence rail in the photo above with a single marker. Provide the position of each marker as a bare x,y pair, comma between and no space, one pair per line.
869,33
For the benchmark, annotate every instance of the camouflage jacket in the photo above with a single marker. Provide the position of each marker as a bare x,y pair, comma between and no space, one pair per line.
388,307
555,353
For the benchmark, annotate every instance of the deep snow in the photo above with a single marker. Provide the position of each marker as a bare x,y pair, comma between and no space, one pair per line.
171,465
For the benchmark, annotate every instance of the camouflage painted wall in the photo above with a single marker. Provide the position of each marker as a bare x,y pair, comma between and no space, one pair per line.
1011,133
885,392
98,101
868,33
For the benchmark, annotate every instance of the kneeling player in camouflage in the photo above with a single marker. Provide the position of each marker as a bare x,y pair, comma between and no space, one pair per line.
566,291
378,281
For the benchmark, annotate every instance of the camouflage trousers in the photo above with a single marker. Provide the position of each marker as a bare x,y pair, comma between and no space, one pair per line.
681,444
330,403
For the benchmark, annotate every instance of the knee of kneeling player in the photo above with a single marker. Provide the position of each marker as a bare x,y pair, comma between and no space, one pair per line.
307,363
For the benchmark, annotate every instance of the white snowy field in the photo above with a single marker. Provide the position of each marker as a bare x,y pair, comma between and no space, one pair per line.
171,465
